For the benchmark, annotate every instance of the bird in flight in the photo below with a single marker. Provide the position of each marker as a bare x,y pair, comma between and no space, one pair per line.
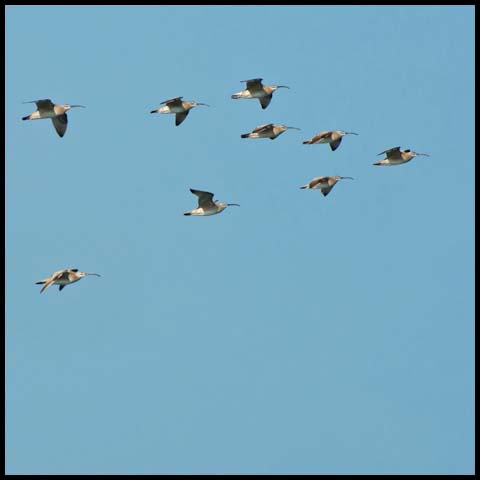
206,204
180,108
255,89
62,278
58,114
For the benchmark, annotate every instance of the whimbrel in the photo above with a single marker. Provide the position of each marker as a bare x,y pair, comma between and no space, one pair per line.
180,108
255,89
333,137
325,184
58,114
63,278
206,204
395,156
268,130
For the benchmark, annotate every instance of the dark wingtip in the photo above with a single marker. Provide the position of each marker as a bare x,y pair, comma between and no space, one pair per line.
245,135
187,213
153,111
305,142
25,118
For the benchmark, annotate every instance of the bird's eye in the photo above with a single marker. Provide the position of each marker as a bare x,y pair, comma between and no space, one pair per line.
407,150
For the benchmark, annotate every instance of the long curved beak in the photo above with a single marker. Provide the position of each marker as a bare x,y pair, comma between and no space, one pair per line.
233,204
205,104
422,155
350,178
96,274
282,86
294,128
83,106
351,133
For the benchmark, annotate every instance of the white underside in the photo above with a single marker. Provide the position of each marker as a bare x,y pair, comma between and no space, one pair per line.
204,213
170,110
36,115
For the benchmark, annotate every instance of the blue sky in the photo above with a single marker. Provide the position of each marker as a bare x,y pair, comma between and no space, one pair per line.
295,334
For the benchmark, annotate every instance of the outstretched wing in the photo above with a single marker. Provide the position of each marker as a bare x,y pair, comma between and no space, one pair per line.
265,101
254,84
334,145
320,136
205,199
315,181
391,151
326,190
49,281
262,128
173,101
45,105
60,123
180,117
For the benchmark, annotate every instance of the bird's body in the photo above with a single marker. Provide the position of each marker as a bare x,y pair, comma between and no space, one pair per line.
255,89
206,204
333,137
58,114
180,108
395,156
268,130
63,278
324,184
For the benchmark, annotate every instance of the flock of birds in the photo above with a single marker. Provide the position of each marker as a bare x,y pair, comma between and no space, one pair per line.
206,204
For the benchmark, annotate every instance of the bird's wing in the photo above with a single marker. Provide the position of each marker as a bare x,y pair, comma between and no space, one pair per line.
205,199
60,124
334,145
254,83
46,285
173,101
262,128
180,117
49,281
390,151
44,105
326,190
64,274
315,181
264,101
321,135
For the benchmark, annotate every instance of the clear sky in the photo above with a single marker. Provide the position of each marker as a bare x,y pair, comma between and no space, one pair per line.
295,334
